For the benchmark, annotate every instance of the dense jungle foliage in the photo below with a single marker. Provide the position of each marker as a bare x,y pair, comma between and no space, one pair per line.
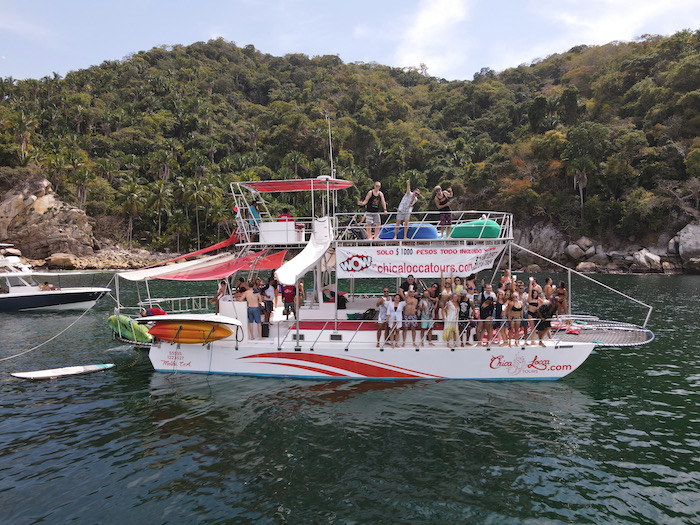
601,140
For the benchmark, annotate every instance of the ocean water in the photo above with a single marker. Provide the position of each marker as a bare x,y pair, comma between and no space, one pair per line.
617,441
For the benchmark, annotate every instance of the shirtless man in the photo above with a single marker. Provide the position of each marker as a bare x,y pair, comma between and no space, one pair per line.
253,299
373,200
410,316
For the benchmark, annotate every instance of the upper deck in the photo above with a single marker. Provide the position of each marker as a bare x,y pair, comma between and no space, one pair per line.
259,228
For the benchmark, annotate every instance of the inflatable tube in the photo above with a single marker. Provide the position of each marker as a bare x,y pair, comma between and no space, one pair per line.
479,229
129,330
190,331
416,230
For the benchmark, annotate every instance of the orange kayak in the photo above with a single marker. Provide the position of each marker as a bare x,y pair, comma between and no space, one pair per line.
190,331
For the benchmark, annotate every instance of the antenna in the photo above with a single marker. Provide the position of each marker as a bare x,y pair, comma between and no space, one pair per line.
330,146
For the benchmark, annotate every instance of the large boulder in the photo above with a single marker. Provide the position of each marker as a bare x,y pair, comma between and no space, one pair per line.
689,242
587,267
646,260
585,243
574,252
543,239
36,222
63,260
693,265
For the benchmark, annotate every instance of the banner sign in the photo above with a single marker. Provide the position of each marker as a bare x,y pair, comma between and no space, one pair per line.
399,261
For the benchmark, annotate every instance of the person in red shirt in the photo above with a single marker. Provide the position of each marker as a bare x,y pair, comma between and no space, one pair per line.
289,293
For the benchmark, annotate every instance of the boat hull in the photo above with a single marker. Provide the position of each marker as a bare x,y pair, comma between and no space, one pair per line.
262,358
64,299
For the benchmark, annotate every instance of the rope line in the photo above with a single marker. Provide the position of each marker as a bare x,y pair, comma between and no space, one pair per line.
51,338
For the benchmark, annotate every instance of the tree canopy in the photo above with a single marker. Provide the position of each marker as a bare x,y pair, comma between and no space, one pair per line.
156,138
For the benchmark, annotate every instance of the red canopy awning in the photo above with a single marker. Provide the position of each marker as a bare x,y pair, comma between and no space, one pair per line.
284,186
222,269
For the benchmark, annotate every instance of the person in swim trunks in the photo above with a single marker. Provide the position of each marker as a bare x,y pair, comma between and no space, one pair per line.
373,201
410,317
253,299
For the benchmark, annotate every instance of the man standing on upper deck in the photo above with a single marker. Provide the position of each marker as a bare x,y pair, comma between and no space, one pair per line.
405,208
442,202
373,200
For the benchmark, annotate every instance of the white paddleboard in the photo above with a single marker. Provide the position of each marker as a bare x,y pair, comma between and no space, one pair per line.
59,372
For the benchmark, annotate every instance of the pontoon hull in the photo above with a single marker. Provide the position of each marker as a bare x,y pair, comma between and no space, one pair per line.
368,362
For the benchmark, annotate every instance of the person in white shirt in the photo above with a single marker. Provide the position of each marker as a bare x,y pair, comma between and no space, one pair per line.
405,208
395,318
382,317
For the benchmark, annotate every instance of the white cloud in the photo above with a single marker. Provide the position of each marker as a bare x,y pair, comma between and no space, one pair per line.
603,21
433,35
22,28
554,26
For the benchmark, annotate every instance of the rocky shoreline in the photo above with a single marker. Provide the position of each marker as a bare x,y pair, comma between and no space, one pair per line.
53,235
668,255
677,255
107,259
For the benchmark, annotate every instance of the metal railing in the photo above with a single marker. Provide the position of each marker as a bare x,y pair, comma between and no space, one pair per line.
352,227
178,305
500,333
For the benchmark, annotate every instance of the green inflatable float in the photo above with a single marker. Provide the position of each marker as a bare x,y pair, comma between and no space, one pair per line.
127,330
478,229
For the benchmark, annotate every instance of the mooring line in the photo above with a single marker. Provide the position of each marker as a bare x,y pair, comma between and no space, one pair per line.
55,336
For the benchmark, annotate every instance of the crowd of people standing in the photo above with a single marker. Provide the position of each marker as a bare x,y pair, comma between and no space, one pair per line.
511,314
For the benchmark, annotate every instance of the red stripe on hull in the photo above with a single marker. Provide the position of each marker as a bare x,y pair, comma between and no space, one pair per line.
309,368
352,367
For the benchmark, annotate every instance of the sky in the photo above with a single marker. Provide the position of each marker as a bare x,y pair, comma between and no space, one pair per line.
453,38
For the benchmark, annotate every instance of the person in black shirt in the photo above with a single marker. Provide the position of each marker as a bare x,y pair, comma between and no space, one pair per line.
373,201
485,317
408,285
545,313
464,316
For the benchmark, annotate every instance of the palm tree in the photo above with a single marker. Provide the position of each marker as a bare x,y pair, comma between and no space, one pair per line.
131,202
82,178
106,168
296,159
160,199
579,168
23,124
178,224
196,194
162,163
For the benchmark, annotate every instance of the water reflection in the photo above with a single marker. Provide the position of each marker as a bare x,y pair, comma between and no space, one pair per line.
617,441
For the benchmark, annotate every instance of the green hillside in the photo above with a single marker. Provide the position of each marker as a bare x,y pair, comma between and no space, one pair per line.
601,140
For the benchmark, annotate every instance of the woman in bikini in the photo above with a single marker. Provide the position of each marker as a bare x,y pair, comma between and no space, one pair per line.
515,315
533,303
561,299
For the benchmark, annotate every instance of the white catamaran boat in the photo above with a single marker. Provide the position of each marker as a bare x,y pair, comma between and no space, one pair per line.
20,289
325,341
